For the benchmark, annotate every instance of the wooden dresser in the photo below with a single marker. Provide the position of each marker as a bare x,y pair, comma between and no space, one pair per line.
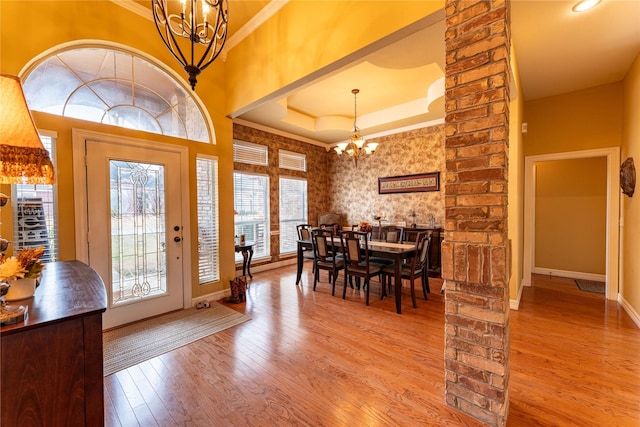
52,362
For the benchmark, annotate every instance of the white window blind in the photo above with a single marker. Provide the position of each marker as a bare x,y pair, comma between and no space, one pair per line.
208,228
35,213
247,152
251,201
293,211
291,160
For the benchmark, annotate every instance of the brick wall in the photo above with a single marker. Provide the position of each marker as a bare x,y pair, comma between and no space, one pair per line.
476,255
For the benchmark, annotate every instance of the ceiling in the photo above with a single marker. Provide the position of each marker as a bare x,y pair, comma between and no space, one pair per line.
401,86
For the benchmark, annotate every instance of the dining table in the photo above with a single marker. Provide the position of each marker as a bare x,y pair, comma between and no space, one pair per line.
377,248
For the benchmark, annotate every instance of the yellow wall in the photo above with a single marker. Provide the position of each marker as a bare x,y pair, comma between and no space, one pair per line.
306,36
571,218
630,232
50,24
581,120
515,210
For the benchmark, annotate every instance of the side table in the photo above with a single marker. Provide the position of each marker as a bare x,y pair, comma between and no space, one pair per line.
247,254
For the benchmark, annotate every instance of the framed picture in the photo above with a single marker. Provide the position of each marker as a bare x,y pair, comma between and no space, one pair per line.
409,183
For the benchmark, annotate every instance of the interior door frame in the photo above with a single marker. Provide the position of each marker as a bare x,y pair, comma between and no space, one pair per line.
613,212
78,137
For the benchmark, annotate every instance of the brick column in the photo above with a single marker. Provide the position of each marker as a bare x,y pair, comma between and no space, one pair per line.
475,253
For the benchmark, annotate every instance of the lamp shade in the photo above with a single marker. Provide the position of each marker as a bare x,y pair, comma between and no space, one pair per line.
23,158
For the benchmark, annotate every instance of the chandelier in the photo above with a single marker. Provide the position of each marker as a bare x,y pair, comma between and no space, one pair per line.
193,24
356,146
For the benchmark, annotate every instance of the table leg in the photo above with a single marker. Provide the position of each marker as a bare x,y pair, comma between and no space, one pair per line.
398,285
245,255
300,261
249,262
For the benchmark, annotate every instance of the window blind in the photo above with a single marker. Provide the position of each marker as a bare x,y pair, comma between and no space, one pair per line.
35,212
208,229
293,211
247,152
292,161
251,201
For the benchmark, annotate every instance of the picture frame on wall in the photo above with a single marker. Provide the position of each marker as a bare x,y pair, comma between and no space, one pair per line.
420,182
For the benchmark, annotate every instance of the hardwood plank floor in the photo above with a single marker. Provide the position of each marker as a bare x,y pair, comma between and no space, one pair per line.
309,359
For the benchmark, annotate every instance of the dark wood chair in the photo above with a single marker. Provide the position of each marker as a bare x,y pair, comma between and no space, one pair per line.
392,234
335,227
356,260
325,258
416,267
304,233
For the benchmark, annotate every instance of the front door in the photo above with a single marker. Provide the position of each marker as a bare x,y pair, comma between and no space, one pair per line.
135,229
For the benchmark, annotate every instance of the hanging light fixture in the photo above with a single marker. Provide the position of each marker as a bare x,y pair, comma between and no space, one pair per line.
356,146
193,24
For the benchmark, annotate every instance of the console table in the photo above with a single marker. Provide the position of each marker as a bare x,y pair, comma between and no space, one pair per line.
247,254
52,362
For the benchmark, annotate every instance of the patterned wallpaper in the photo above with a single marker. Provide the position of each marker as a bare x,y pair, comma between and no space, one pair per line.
354,191
334,184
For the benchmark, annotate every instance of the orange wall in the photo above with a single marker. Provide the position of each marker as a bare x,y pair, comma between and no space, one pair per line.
582,120
630,206
571,217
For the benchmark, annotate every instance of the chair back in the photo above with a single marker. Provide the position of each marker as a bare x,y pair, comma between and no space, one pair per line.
421,257
393,234
322,241
304,231
335,227
353,252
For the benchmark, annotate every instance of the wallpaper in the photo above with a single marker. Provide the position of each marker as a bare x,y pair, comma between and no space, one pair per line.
354,190
335,184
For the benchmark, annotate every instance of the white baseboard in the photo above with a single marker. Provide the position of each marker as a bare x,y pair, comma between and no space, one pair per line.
514,304
635,316
214,296
266,267
570,274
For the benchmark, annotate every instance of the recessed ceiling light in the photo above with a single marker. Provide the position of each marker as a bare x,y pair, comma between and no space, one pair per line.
583,5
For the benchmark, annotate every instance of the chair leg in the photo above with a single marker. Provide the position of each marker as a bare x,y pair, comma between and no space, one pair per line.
367,282
344,290
333,283
413,293
316,277
425,285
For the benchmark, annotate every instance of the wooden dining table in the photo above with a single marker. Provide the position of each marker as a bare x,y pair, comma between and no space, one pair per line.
394,251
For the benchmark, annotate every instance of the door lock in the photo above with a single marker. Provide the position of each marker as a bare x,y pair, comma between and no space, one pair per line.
177,239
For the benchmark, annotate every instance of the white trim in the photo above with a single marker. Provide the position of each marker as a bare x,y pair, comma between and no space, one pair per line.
514,304
635,316
136,8
613,212
214,296
569,274
251,25
78,138
280,133
93,43
49,133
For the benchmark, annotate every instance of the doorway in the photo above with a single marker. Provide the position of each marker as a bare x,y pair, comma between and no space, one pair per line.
133,216
612,217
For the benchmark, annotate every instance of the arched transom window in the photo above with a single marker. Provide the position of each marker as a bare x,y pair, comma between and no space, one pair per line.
115,87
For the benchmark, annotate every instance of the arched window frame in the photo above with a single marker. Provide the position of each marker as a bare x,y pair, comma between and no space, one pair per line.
102,44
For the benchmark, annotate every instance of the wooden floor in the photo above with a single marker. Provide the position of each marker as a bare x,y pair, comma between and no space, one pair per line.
309,359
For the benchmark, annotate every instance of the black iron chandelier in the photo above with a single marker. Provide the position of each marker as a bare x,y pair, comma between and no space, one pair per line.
192,23
357,146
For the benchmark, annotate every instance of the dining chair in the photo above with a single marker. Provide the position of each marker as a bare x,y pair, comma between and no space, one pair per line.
304,233
325,258
416,266
392,234
335,227
356,260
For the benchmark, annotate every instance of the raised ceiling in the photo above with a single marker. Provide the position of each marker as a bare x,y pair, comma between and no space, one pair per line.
557,51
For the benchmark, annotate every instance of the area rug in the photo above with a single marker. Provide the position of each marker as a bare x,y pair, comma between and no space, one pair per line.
135,343
590,286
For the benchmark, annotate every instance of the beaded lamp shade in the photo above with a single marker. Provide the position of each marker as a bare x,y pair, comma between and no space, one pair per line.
23,158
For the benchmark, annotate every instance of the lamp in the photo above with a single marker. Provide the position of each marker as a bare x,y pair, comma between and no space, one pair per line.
23,158
356,146
192,23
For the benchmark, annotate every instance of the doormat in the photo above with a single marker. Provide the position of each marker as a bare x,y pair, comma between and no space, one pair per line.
141,341
590,286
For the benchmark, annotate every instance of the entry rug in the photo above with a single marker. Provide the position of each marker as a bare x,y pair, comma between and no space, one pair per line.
135,343
590,286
